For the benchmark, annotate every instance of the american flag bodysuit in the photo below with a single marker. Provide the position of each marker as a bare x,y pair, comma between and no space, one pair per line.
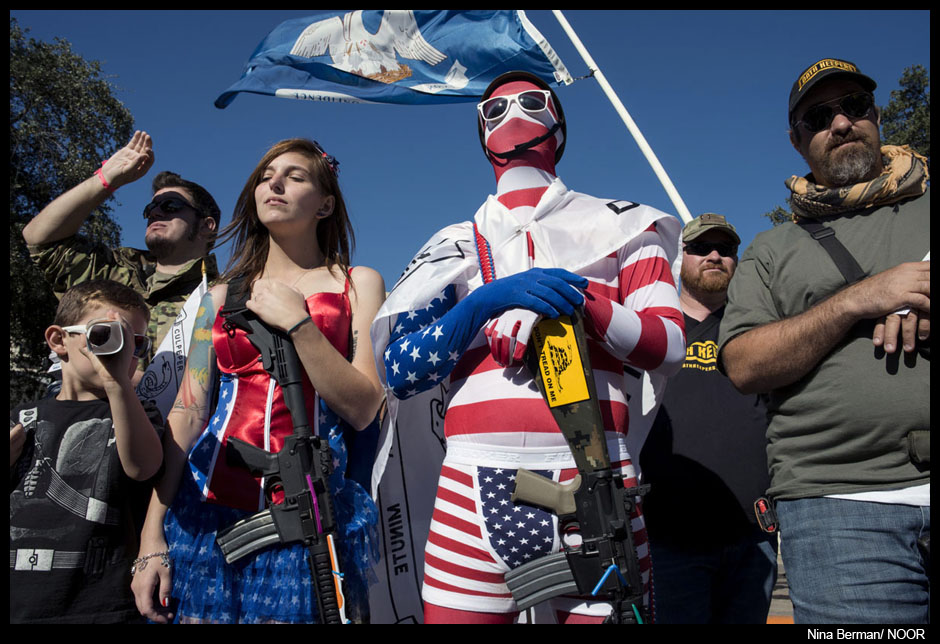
496,420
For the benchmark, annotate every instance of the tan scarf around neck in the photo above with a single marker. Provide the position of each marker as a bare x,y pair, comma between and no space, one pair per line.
905,175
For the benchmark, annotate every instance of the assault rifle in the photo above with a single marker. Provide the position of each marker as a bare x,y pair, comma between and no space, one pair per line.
595,505
301,469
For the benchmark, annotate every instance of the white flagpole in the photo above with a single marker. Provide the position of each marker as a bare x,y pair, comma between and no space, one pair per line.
628,120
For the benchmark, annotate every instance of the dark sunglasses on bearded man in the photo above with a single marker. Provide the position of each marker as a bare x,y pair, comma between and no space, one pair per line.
703,249
819,117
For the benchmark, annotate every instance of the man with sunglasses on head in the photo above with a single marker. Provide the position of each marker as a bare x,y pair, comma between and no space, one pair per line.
182,222
462,315
705,461
816,313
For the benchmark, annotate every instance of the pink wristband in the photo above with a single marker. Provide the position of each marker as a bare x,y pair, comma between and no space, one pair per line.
104,182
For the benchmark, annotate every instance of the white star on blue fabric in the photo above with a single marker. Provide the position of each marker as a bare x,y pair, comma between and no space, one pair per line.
517,536
417,334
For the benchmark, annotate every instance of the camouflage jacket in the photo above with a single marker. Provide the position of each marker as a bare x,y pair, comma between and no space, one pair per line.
72,260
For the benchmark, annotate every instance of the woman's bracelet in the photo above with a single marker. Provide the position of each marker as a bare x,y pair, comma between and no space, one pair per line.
141,563
299,324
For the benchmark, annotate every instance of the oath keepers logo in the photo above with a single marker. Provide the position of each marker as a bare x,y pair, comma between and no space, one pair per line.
823,65
702,356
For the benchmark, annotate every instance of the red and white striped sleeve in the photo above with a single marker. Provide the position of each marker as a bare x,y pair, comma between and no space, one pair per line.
636,315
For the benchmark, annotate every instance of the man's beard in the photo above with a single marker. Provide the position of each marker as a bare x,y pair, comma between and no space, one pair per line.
161,247
701,282
850,166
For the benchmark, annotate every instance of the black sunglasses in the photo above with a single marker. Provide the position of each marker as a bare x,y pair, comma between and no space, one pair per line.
168,205
704,249
854,106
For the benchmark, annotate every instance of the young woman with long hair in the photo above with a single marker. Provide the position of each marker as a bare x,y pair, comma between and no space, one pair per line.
290,259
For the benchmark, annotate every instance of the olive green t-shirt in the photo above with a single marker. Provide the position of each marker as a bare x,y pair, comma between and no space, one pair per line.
843,427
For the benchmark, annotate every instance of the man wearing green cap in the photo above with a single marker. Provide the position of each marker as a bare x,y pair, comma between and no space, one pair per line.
708,440
814,317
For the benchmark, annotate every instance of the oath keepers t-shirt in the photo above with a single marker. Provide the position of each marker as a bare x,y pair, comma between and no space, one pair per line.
705,458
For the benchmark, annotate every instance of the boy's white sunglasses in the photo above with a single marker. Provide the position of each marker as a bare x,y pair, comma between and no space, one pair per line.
106,337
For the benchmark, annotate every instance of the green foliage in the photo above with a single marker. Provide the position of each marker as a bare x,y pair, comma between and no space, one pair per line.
779,215
64,120
905,120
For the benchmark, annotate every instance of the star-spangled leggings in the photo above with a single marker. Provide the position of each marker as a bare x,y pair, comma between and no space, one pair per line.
477,535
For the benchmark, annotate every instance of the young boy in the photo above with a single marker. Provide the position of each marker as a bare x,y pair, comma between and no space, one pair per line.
79,464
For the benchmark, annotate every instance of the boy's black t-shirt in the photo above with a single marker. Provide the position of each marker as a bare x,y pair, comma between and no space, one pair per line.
75,516
705,458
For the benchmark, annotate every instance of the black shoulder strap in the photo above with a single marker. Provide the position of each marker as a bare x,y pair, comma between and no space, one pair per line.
234,296
233,310
278,355
843,259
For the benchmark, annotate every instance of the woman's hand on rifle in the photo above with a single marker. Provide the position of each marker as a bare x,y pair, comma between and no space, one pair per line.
278,304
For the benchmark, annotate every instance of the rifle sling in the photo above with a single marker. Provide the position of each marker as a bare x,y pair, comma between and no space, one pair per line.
259,333
841,257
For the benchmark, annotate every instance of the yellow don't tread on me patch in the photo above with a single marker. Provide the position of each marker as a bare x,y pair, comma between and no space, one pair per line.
560,366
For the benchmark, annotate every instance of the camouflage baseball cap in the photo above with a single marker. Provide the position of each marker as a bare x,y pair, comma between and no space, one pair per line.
705,222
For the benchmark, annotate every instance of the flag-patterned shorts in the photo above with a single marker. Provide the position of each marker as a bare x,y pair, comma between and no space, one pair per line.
478,534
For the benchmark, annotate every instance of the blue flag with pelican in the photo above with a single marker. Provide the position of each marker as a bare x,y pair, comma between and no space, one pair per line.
395,56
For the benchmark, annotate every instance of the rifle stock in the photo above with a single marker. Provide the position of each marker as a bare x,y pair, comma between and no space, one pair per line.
595,505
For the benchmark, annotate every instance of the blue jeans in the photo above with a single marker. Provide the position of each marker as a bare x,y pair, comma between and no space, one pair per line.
854,562
728,584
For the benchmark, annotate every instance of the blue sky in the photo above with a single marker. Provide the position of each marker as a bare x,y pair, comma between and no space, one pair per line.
707,89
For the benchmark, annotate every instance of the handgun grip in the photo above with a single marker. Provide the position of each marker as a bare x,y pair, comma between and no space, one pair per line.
541,492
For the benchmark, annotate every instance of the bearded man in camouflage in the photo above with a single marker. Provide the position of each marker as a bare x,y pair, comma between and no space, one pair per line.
182,222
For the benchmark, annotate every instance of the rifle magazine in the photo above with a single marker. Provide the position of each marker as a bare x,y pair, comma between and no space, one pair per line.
247,536
541,580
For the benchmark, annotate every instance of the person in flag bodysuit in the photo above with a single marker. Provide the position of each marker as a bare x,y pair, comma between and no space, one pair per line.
292,252
463,311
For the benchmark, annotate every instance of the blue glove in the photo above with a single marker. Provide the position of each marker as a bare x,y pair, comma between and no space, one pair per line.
420,355
549,292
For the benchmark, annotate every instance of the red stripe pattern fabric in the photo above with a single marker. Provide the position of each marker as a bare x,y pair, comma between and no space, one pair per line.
477,535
